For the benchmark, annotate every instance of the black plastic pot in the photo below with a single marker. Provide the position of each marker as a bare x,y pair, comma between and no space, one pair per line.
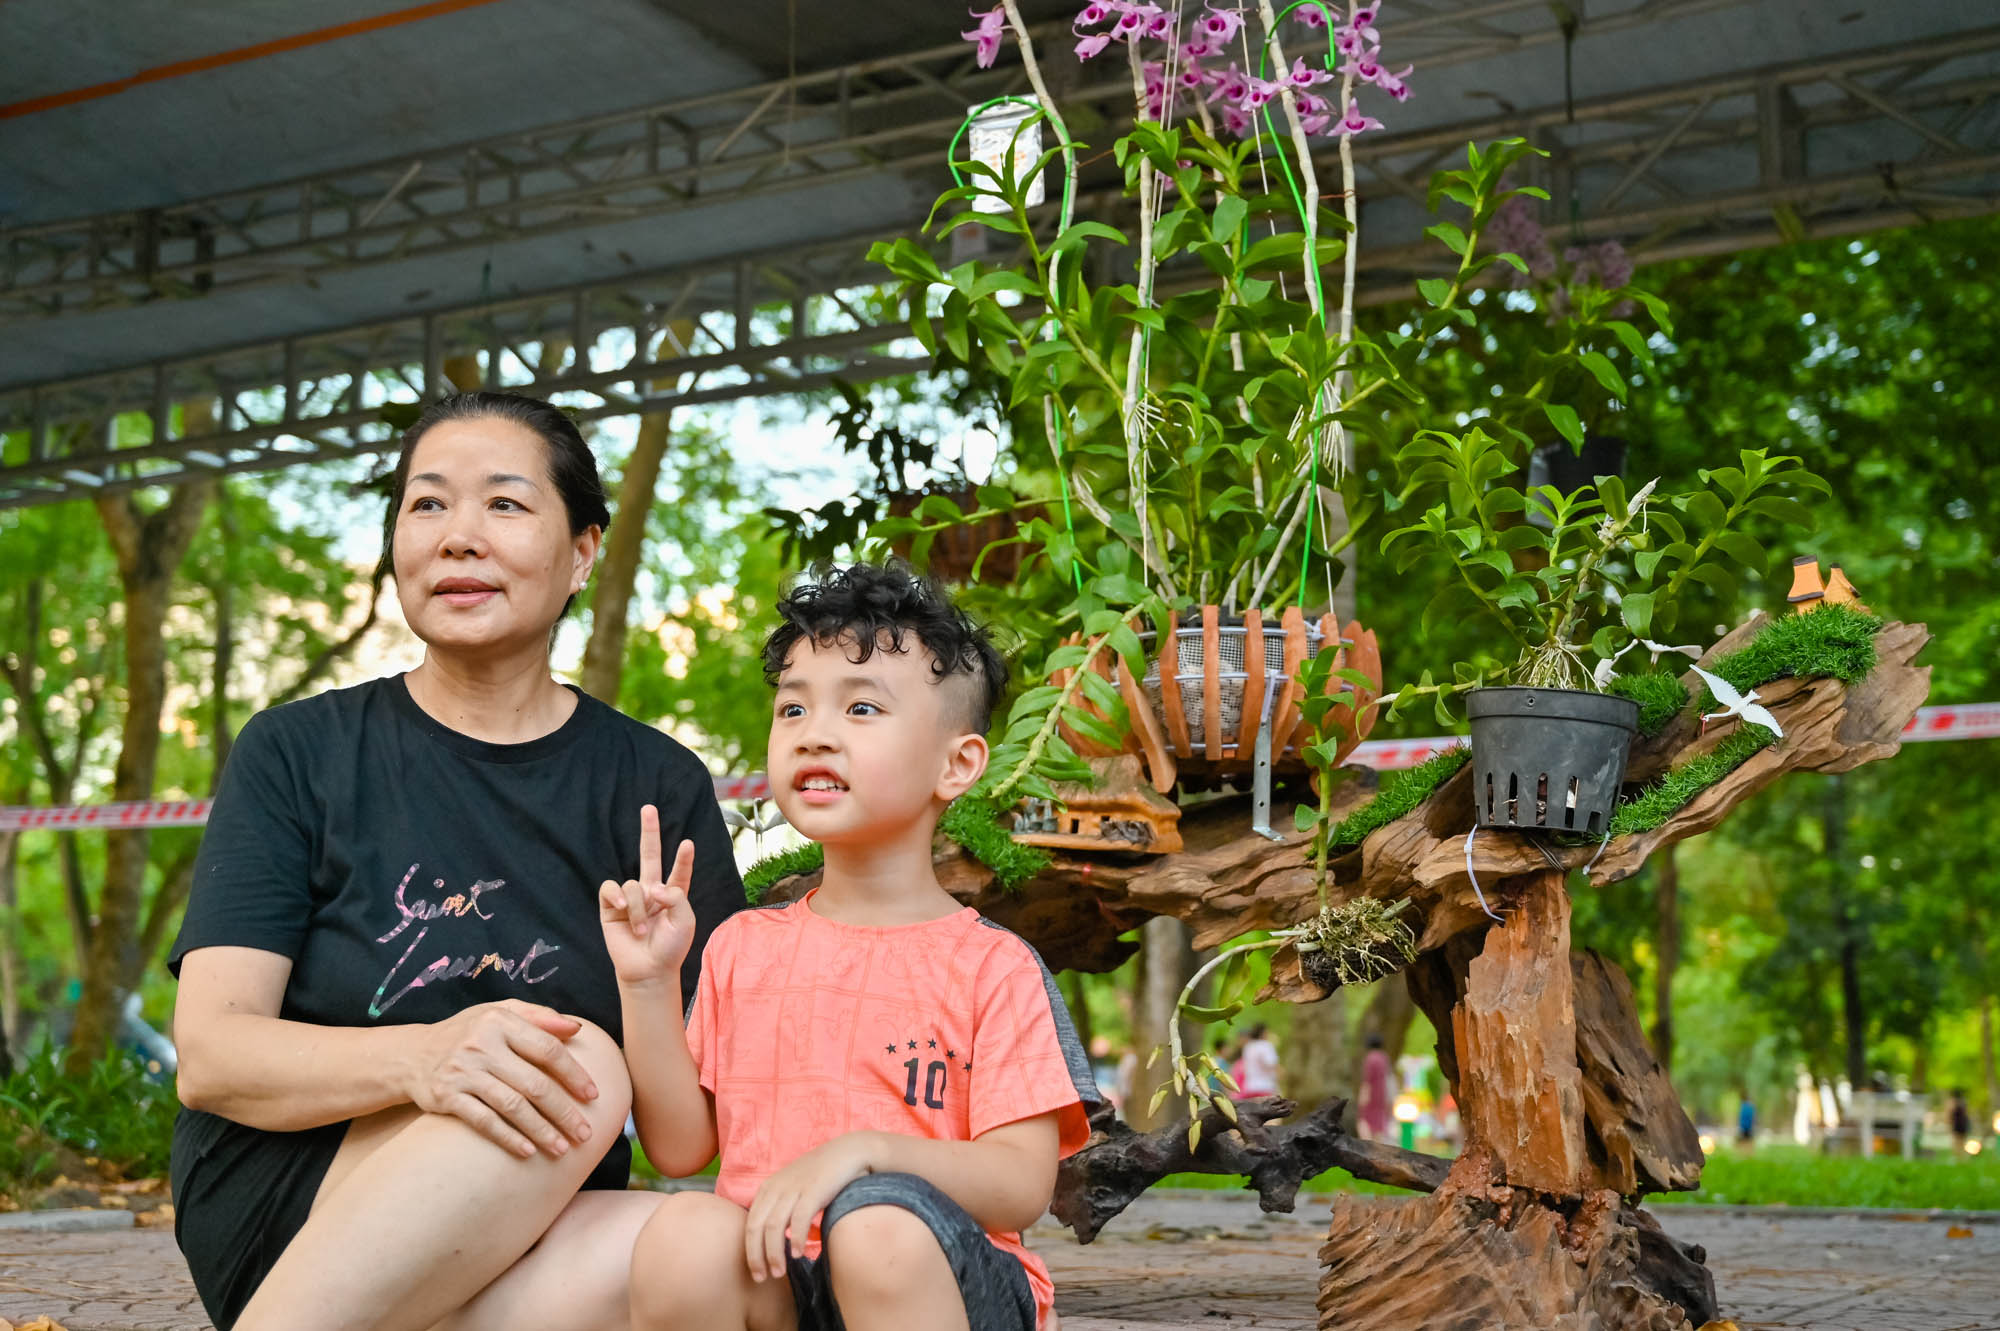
1548,759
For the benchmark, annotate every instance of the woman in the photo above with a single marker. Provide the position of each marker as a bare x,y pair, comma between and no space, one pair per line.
397,1022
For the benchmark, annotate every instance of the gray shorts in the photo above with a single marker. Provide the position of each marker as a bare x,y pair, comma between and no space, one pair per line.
992,1283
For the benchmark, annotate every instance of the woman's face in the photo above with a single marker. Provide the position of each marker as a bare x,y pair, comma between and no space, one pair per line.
484,555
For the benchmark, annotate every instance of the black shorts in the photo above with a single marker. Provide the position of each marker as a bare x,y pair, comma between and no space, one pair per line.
992,1283
241,1194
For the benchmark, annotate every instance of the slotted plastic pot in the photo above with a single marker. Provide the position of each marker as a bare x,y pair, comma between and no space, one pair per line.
1548,760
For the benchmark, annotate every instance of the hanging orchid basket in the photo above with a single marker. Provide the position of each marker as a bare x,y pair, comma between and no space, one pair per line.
1213,681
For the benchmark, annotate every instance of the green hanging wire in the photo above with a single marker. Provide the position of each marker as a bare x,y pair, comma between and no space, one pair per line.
1067,214
1319,288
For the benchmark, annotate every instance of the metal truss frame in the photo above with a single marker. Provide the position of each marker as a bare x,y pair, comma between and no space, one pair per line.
845,123
788,321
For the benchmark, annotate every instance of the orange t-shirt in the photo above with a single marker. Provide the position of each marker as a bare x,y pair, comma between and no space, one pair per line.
805,1029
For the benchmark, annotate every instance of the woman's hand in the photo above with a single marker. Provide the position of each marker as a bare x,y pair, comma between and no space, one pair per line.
788,1200
503,1069
648,924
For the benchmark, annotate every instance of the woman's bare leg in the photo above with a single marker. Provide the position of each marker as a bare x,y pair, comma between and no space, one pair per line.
576,1279
415,1218
689,1273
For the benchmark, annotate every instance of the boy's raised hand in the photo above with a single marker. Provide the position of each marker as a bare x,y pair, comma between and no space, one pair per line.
648,924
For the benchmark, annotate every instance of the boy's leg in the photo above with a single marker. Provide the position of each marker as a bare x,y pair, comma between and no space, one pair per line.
688,1271
900,1254
419,1213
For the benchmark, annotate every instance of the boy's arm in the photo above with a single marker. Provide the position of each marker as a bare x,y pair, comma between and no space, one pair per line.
648,928
1004,1179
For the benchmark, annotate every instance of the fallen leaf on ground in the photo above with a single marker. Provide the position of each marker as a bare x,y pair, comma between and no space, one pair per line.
1959,1232
42,1323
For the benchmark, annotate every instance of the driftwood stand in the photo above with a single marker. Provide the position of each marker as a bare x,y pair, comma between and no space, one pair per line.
1569,1119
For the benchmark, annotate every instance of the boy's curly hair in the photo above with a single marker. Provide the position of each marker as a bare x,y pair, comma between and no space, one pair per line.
879,606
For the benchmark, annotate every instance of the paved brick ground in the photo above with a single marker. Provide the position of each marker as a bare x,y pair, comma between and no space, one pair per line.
1182,1261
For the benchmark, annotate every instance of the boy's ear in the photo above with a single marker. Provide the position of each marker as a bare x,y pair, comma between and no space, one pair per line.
964,764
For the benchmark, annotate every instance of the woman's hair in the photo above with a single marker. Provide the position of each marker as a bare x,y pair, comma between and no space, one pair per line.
572,466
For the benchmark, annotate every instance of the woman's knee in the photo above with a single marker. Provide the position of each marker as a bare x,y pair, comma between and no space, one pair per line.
599,1055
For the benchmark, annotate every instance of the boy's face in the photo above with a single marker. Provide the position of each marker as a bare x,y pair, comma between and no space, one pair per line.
863,751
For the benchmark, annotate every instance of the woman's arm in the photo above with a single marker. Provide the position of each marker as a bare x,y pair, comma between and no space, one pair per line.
501,1067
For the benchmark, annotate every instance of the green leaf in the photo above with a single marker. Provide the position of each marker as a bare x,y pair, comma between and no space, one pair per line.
1453,239
1304,817
1230,212
1607,373
1207,1015
1636,610
1566,421
1434,289
1077,233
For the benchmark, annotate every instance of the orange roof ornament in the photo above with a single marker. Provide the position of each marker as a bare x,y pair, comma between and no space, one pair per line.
1810,593
1807,589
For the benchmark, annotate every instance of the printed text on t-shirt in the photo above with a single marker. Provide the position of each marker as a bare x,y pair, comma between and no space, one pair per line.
446,966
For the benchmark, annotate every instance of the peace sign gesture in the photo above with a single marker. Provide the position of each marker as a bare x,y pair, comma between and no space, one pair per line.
648,924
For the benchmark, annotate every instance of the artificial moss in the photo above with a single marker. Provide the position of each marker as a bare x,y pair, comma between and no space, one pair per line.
1400,793
1833,641
976,825
757,879
973,823
1665,797
1660,696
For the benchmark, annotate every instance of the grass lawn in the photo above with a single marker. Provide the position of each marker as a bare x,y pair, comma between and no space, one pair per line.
1773,1175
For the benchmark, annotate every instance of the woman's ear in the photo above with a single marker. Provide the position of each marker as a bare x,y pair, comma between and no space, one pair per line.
964,764
588,543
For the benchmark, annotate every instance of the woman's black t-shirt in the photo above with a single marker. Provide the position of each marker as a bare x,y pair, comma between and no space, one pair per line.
409,871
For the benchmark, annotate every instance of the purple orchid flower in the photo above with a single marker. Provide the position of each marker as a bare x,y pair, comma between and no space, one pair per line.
1311,104
1393,83
1365,16
1089,14
1305,76
1238,121
1317,123
986,37
1349,42
1220,25
1199,48
1231,86
1261,92
1092,44
1312,16
1194,78
1130,23
1365,66
1355,123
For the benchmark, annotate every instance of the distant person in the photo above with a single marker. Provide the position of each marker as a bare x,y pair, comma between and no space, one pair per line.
1228,1057
1378,1092
1746,1121
1961,1120
1259,1063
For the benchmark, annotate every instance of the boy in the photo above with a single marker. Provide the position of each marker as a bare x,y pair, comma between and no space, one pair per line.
890,1079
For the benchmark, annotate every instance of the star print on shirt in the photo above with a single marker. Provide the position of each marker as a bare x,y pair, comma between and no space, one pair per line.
933,1044
890,1049
968,1067
951,1053
913,1044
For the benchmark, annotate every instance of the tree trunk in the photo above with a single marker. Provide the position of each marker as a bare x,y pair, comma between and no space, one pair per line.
1667,944
150,547
618,566
10,947
1167,960
1316,1066
1987,1062
1070,985
1833,826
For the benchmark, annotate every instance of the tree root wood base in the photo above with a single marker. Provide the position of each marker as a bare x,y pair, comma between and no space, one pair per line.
1118,1163
1478,1257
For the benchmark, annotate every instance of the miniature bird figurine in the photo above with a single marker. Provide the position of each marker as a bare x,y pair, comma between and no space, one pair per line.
1607,667
755,822
1740,705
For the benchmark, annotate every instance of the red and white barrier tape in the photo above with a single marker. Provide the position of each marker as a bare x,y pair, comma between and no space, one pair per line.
1979,720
